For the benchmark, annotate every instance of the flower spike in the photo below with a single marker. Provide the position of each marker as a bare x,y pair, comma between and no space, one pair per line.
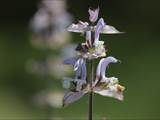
87,51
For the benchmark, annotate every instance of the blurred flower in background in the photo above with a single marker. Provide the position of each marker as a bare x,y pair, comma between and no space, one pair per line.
49,23
48,98
52,65
48,32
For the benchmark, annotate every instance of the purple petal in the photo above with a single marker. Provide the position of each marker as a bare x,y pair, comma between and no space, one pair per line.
88,38
79,67
81,72
93,14
78,73
78,63
84,71
99,28
98,72
72,97
70,61
110,30
105,64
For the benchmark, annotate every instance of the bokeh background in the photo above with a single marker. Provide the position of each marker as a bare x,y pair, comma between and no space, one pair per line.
138,50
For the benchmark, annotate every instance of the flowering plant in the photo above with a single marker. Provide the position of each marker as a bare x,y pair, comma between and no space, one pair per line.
87,52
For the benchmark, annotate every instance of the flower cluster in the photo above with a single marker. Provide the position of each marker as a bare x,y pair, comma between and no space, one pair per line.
91,49
48,37
48,25
48,34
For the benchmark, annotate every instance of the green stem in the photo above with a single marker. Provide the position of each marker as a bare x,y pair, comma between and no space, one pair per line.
91,93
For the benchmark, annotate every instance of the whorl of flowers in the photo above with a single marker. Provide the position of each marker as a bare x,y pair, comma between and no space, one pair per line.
91,49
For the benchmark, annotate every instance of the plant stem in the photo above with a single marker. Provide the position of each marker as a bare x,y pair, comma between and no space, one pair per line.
91,93
90,105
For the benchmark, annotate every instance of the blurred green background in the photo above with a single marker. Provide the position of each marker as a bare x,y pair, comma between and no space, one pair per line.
138,50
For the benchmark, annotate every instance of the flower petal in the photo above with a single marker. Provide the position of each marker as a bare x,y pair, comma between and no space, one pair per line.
105,64
79,28
88,38
115,91
72,97
108,29
79,67
110,80
70,61
93,14
99,27
98,72
84,71
78,73
78,64
117,95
